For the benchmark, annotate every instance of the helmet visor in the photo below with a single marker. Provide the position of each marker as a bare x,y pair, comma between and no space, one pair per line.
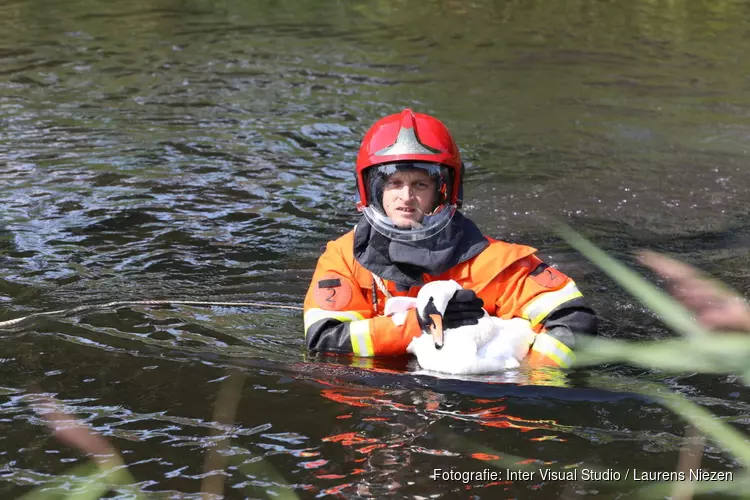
407,201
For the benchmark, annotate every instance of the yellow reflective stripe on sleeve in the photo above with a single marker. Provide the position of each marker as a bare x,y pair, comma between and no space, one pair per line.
546,302
554,350
314,315
359,332
359,362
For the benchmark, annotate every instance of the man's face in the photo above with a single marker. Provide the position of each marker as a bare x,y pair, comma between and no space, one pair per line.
408,196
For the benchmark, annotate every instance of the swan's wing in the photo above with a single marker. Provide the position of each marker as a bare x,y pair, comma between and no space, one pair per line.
399,305
478,335
462,359
512,337
492,345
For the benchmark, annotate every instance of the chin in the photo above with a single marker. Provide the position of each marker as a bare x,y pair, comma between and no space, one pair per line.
405,223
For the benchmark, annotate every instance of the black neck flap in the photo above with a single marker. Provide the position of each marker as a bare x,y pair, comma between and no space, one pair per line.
405,261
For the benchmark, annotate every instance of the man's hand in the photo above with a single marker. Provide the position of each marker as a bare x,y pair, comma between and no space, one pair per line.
464,308
715,306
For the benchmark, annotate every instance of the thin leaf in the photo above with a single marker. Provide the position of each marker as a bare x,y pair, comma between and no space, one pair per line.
51,489
84,482
727,436
719,353
225,411
712,427
109,474
92,489
263,468
111,469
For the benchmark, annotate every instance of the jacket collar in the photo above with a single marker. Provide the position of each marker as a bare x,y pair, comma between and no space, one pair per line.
406,262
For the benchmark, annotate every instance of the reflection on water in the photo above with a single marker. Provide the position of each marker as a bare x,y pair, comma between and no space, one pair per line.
204,150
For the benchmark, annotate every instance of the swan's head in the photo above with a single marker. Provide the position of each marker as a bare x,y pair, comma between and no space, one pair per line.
432,300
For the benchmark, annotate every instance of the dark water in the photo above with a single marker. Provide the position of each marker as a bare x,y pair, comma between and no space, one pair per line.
203,150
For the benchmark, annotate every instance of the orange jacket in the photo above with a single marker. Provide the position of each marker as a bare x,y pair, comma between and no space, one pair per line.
344,307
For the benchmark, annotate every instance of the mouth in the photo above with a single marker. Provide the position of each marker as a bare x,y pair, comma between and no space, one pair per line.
436,330
406,210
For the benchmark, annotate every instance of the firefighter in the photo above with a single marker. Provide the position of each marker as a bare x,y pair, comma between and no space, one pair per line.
409,189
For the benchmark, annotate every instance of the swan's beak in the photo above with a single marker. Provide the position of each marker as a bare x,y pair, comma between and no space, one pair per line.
436,330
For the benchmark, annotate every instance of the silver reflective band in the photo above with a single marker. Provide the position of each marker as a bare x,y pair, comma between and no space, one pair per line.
359,333
314,315
407,144
546,302
554,350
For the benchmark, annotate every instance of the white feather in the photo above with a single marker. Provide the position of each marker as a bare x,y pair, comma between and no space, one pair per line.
492,345
440,291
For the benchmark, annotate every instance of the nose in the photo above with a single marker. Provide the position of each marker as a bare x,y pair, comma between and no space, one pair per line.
405,192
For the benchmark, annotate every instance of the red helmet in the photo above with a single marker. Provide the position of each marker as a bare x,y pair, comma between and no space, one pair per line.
409,141
405,137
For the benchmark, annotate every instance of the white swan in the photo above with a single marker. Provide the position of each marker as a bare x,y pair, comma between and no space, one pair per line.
492,345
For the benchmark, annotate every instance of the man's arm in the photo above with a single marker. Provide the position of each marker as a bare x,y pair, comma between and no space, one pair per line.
554,306
340,319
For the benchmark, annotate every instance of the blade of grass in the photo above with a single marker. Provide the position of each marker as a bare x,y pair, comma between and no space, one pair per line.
706,422
727,436
720,353
49,491
691,454
225,411
87,481
672,313
93,488
111,469
263,468
111,472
